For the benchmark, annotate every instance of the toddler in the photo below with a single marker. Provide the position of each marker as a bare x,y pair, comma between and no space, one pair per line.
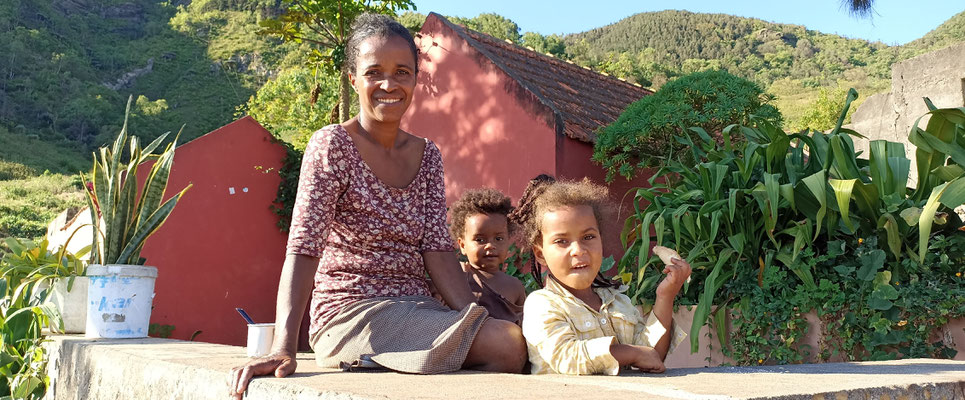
482,231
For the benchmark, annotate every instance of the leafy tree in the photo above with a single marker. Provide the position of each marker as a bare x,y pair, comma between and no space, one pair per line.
494,25
823,113
282,106
552,44
644,132
411,20
326,24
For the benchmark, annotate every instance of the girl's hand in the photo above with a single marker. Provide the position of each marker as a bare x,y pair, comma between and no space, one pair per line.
649,361
677,273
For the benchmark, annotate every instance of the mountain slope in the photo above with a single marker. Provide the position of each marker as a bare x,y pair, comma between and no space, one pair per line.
681,41
68,66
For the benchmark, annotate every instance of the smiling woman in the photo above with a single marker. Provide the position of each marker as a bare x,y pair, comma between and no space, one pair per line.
368,223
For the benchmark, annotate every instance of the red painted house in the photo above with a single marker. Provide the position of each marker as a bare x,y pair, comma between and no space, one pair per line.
502,114
220,248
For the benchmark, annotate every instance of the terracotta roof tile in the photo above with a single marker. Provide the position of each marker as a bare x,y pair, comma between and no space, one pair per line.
585,100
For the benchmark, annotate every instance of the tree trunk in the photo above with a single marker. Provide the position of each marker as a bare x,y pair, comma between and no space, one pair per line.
344,97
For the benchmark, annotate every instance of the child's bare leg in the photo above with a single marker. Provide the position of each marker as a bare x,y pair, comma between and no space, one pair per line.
499,347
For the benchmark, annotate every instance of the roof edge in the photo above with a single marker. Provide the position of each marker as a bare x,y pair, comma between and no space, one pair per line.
461,32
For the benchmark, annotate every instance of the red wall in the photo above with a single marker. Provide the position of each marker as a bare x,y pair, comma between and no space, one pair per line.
218,250
463,104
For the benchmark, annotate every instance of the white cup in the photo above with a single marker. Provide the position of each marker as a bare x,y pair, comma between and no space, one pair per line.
259,338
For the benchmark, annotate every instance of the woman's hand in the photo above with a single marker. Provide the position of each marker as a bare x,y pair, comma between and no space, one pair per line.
677,273
294,291
448,278
279,364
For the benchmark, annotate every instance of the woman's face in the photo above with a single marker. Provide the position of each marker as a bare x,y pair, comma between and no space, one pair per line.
571,246
384,78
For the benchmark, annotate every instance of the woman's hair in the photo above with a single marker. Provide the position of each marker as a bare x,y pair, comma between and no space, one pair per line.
479,201
543,194
375,25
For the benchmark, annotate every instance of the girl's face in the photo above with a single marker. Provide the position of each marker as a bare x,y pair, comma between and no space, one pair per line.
571,247
485,241
384,78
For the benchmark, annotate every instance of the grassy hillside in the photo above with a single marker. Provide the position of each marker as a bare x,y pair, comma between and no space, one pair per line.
69,66
27,206
950,32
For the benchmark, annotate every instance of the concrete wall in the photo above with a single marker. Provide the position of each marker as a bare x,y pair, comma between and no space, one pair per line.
939,75
169,369
471,110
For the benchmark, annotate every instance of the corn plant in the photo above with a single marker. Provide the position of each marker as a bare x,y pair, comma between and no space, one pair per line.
122,220
759,196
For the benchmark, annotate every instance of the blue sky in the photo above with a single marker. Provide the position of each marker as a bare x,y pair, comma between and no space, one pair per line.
894,21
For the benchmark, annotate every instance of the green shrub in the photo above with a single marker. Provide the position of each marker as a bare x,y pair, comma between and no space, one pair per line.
11,171
765,202
865,314
822,113
644,135
25,312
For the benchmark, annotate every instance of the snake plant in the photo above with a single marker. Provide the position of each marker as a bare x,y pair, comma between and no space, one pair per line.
122,219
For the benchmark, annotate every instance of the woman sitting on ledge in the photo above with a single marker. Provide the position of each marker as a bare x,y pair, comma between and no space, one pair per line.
369,221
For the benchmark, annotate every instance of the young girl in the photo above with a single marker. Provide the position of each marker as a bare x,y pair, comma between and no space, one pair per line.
482,230
579,323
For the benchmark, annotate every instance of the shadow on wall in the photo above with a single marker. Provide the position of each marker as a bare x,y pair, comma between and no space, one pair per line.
487,139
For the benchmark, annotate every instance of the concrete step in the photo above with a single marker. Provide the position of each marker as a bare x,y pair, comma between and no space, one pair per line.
83,368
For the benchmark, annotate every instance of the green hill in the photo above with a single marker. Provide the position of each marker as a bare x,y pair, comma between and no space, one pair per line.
796,64
68,67
948,33
680,42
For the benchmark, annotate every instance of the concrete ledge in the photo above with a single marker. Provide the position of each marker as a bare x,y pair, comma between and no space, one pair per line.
169,369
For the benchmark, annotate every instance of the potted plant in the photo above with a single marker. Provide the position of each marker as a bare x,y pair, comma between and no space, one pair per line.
124,214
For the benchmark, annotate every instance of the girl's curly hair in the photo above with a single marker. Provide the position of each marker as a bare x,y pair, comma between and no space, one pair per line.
544,193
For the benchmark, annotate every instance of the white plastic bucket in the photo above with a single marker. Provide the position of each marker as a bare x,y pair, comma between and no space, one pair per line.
119,300
71,304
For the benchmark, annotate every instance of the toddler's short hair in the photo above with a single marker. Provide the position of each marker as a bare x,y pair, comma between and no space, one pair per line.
479,201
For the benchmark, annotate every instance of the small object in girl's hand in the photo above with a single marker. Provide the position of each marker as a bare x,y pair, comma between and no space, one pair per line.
666,254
